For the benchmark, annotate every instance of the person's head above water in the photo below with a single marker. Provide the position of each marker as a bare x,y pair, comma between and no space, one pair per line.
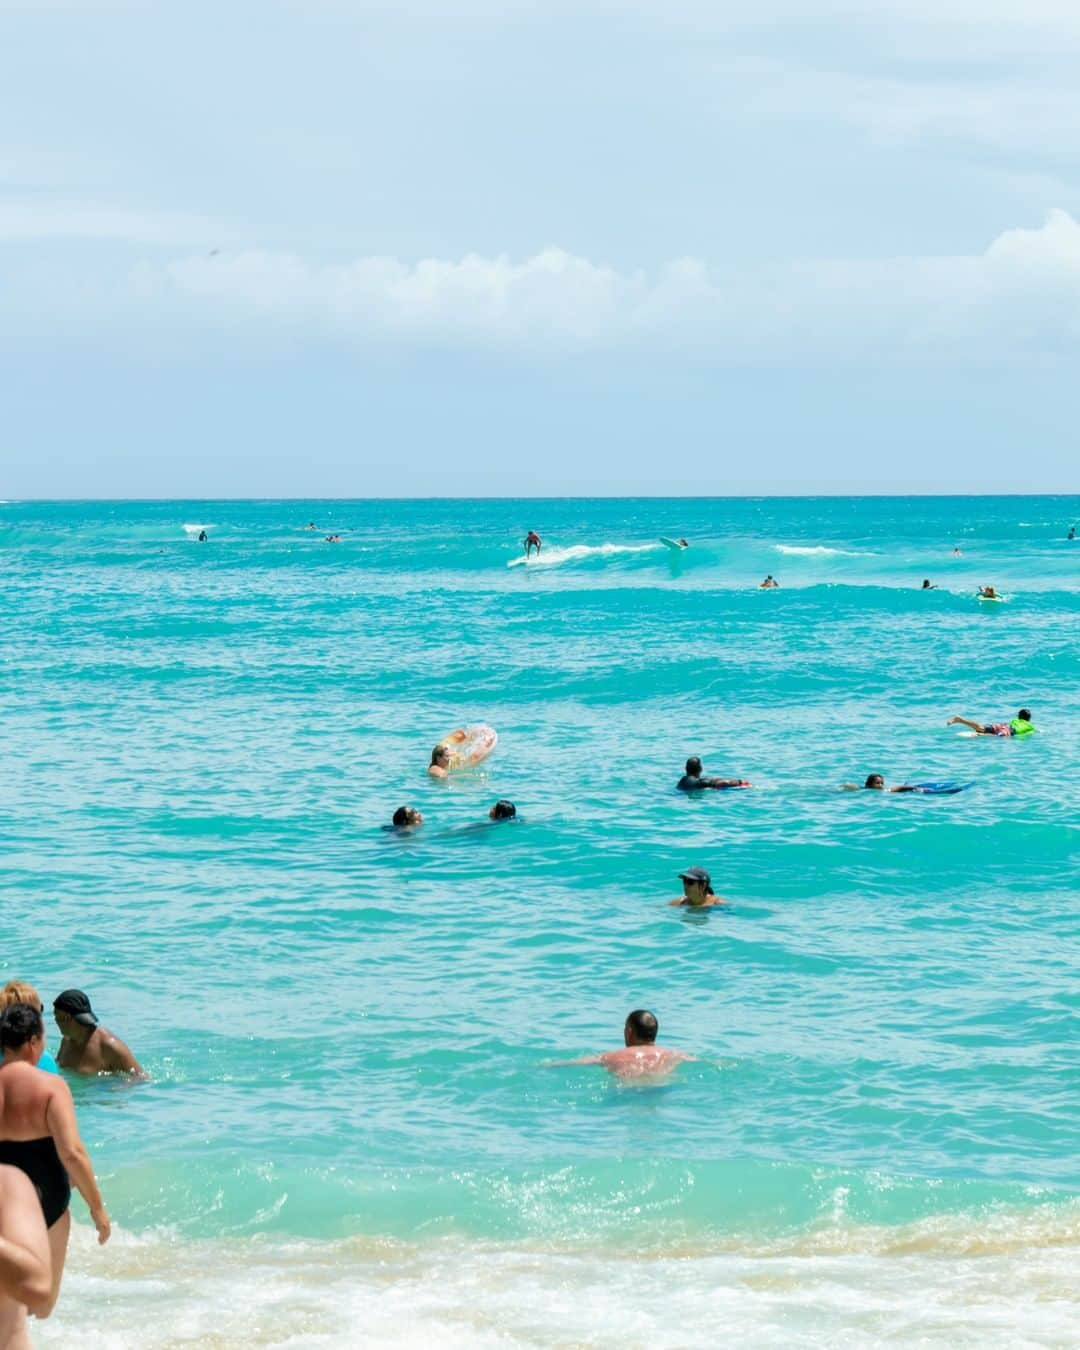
503,810
693,767
74,1006
876,781
926,584
441,755
21,1025
1024,714
696,882
407,815
641,1028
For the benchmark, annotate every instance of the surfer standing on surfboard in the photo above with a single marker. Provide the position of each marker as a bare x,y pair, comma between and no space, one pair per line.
532,540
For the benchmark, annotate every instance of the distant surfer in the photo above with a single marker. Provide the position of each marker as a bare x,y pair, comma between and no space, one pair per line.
532,541
202,536
769,584
1072,532
988,593
927,585
697,890
693,781
1020,725
440,761
640,1056
956,553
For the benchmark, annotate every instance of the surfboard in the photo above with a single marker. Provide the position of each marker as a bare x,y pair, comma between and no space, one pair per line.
672,543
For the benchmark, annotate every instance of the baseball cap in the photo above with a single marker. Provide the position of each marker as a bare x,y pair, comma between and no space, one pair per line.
75,1003
696,874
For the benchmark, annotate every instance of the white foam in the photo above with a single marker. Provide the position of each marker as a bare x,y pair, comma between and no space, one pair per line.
194,529
552,557
814,550
1000,1280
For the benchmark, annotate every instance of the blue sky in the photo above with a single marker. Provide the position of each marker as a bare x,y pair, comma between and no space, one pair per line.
337,248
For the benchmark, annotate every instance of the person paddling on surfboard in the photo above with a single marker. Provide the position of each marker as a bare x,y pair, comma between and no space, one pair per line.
876,783
693,781
988,593
532,540
1019,726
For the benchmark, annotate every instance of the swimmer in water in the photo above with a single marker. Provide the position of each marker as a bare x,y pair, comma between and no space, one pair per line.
202,536
769,584
956,553
697,890
503,810
40,1136
26,1267
692,781
333,538
988,593
640,1056
532,541
1072,532
1020,725
440,761
876,783
407,818
86,1047
927,586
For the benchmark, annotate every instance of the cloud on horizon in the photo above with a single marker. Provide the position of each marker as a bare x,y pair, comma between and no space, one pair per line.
1021,294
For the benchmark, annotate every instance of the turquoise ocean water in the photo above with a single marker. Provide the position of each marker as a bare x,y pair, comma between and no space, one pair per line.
351,1134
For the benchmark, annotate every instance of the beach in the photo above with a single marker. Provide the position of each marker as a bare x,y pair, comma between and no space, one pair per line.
352,1132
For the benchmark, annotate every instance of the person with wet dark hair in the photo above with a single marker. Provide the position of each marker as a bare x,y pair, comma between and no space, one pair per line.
875,782
407,818
503,810
40,1136
693,780
1021,725
640,1056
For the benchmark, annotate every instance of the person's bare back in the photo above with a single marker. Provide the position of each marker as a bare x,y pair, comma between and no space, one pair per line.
640,1057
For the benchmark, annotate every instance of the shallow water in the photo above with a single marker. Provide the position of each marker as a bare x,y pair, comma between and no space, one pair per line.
351,1121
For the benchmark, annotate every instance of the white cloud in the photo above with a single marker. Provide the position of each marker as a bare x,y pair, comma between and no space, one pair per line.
1022,292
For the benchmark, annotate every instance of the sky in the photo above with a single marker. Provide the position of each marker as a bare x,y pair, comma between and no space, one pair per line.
601,247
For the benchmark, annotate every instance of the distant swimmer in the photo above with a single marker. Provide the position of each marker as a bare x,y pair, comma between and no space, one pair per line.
1020,725
769,584
18,991
1072,532
532,541
333,538
876,783
641,1057
503,810
202,536
26,1267
988,593
697,890
927,586
692,780
440,761
407,818
85,1046
956,553
40,1136
311,525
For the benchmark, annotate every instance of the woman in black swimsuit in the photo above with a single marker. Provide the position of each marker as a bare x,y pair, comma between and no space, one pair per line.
39,1135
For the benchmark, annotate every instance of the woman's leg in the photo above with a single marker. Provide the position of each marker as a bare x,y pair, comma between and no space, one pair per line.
58,1245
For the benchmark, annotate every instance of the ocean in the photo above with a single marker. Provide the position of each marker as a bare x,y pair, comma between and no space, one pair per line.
353,1133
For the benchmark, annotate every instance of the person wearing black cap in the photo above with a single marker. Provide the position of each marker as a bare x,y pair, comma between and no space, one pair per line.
697,890
86,1047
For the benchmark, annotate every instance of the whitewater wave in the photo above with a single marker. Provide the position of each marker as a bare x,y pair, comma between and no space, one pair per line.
192,531
993,1280
815,551
552,557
